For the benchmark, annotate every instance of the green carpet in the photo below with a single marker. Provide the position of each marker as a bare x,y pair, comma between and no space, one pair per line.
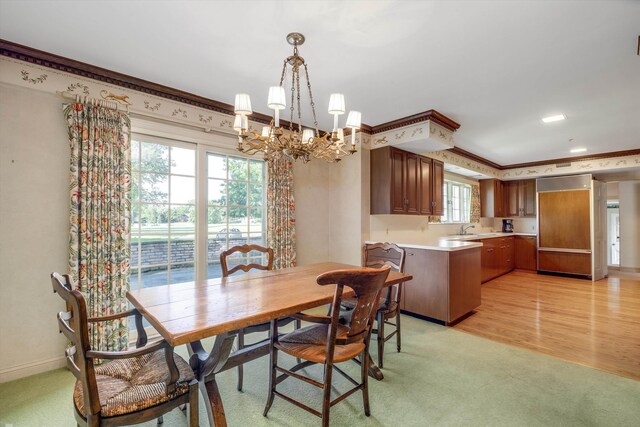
442,378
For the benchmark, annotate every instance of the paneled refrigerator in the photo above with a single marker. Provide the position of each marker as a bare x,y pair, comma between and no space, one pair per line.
571,229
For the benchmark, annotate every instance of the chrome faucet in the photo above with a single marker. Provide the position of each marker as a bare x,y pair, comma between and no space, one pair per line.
463,229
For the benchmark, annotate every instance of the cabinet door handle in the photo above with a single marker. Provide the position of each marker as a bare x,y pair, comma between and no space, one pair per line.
490,250
409,253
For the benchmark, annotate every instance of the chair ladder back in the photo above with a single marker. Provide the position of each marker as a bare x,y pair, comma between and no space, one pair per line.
379,254
244,249
74,325
367,284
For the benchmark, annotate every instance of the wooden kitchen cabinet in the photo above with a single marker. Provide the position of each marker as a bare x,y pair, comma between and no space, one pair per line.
445,285
520,198
528,197
492,198
526,253
498,257
405,183
511,202
507,258
488,261
437,185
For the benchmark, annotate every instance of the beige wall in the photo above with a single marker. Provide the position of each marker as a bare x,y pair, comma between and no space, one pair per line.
612,191
345,210
312,194
629,193
34,206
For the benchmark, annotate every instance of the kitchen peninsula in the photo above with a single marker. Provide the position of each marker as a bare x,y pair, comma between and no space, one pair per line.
446,279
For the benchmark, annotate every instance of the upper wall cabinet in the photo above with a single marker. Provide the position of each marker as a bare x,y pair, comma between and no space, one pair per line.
520,198
491,198
405,183
507,199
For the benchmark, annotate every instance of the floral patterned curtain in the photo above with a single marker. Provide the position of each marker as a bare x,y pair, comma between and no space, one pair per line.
475,203
281,212
100,215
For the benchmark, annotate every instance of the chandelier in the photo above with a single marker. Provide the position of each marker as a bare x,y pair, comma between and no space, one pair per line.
295,142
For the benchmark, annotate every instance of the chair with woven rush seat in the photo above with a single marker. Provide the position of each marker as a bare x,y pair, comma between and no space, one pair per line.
224,263
136,385
377,255
328,341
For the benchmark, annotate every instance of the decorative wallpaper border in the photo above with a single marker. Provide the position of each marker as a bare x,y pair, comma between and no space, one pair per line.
49,80
415,132
36,77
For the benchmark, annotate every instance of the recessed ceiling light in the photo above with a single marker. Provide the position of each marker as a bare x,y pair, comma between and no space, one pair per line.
577,150
555,118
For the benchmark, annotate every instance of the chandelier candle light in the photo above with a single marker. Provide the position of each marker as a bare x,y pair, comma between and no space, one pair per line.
295,142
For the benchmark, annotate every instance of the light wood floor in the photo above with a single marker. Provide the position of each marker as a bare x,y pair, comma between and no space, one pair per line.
596,324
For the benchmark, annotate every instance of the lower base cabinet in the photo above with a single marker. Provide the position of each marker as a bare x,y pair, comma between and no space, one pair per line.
445,285
526,253
498,257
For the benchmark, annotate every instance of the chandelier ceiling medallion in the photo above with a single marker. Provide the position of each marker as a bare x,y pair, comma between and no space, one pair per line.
294,142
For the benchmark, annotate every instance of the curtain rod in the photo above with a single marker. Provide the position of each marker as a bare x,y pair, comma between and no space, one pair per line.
94,101
115,106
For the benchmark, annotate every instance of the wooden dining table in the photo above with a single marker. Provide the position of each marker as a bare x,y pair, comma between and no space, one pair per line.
186,313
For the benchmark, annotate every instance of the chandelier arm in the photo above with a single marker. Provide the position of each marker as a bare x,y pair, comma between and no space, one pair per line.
313,104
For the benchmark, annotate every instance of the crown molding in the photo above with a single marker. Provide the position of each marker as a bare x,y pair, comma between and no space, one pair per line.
471,156
431,115
49,60
587,157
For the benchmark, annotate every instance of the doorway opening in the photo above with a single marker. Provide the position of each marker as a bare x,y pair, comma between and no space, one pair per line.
613,234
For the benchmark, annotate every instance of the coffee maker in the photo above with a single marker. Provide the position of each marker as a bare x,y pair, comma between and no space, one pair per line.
507,225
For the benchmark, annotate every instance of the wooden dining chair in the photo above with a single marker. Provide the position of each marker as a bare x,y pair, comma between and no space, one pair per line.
260,327
328,342
135,385
377,255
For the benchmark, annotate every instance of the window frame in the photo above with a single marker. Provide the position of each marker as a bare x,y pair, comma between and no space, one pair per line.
464,191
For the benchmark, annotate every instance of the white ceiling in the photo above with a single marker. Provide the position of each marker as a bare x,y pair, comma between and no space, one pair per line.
495,67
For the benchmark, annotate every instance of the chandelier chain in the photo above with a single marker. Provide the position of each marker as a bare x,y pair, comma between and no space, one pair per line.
299,108
293,92
313,104
284,70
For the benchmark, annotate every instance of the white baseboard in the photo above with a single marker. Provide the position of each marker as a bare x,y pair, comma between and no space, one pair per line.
31,368
40,366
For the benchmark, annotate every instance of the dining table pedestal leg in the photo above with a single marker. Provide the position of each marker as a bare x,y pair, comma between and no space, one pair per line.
207,365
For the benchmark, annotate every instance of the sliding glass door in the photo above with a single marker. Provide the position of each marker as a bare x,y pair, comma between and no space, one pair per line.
235,208
186,198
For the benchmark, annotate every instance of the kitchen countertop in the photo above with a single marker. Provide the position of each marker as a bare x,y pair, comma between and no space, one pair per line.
481,236
457,242
440,245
